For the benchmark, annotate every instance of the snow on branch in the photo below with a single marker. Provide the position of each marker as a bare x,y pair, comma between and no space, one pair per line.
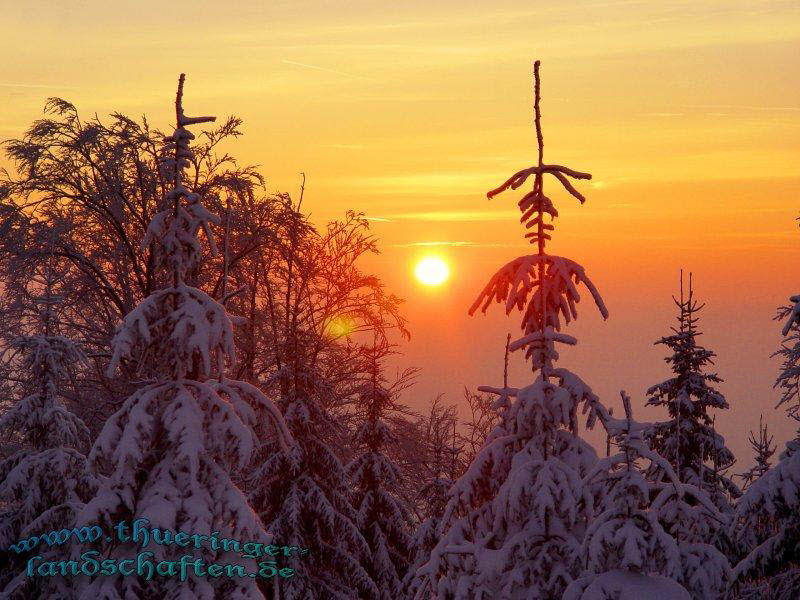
197,425
514,282
173,332
41,417
544,288
537,337
513,522
48,356
558,171
253,408
793,314
175,231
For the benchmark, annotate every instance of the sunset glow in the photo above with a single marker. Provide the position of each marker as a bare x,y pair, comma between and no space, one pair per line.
685,113
424,290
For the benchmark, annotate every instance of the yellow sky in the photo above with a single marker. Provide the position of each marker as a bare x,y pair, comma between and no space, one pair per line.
687,114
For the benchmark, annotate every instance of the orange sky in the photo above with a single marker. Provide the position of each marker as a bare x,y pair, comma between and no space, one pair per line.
687,114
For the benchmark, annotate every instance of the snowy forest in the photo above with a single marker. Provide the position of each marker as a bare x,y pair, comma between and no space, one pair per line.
183,348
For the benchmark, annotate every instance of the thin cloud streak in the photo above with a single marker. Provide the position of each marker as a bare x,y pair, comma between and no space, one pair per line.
37,86
344,146
744,107
454,216
460,244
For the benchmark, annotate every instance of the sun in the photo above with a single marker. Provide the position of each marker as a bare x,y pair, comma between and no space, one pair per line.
432,271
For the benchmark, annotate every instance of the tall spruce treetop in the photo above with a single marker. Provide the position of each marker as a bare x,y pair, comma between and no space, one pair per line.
688,439
44,484
513,523
172,447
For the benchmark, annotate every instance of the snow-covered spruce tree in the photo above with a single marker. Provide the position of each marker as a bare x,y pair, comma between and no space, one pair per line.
688,439
171,449
45,484
689,515
442,462
762,526
448,452
513,526
626,552
303,496
648,533
772,568
380,515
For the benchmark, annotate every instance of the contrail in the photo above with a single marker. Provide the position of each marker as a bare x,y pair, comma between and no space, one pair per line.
316,68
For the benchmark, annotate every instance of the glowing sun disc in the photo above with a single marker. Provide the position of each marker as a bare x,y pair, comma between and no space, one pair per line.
432,271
